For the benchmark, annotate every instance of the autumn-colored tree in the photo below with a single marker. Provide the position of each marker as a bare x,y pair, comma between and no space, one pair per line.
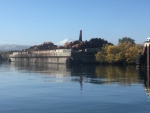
125,52
101,57
132,53
120,57
111,53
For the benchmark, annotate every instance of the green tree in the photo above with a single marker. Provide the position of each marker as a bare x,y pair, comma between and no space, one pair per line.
126,39
4,56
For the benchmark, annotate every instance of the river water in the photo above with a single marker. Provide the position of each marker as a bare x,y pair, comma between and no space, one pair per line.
53,88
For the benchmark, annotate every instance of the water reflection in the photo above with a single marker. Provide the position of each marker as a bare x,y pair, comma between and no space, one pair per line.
46,70
145,78
85,73
107,74
88,88
122,75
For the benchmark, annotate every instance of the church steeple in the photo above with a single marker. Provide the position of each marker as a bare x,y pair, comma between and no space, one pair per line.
80,35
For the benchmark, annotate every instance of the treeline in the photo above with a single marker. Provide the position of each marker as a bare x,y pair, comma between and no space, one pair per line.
75,45
81,45
4,56
126,51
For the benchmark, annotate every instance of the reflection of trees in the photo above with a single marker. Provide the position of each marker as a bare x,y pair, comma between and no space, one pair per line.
101,74
106,74
123,75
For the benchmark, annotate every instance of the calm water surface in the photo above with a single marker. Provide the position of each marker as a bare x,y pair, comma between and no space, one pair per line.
34,88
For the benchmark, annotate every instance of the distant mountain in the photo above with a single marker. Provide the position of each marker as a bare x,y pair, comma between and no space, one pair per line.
13,47
61,43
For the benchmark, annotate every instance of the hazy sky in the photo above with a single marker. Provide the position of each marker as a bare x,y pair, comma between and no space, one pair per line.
36,21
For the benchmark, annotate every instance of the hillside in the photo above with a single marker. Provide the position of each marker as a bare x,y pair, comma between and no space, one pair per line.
13,47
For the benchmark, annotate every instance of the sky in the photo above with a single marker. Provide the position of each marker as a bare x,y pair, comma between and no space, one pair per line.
32,22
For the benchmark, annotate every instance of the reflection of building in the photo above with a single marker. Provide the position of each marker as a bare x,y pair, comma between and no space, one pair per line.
48,70
147,83
145,77
147,92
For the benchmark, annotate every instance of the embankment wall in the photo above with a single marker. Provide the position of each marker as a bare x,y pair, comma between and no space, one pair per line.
54,57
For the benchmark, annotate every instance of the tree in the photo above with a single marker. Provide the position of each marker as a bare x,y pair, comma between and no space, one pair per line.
4,56
120,57
110,58
100,57
132,53
126,39
125,52
112,51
